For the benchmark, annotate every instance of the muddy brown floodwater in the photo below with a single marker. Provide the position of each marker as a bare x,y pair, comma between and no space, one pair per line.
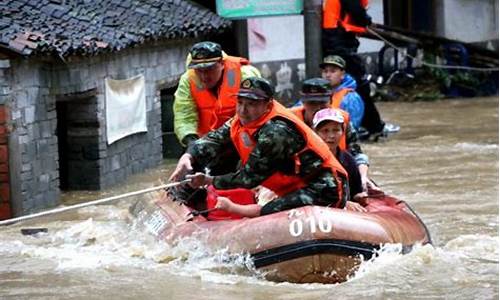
444,163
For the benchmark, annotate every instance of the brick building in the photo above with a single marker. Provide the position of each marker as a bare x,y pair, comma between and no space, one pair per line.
54,58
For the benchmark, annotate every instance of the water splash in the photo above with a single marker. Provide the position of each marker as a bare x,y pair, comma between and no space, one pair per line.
464,261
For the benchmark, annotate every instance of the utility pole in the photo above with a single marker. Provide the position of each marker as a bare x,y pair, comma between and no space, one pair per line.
242,40
312,36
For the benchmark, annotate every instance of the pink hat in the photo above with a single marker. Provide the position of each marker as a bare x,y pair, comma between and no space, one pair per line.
327,114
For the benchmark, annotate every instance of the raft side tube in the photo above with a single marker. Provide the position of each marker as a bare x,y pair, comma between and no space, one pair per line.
313,247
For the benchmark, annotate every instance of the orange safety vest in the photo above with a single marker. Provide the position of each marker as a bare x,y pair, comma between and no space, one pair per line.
214,111
299,112
280,183
333,16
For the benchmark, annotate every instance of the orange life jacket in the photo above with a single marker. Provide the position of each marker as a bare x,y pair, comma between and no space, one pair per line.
214,111
333,16
280,183
338,96
300,110
239,196
343,139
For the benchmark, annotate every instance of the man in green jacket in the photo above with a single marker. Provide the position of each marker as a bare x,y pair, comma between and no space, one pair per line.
206,95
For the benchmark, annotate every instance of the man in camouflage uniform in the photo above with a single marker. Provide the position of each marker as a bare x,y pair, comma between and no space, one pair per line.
276,143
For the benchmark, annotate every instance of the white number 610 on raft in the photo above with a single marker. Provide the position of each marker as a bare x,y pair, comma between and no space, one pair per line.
296,226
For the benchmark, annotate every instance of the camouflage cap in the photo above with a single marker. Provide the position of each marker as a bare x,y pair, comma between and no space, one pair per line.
316,89
204,55
256,88
333,60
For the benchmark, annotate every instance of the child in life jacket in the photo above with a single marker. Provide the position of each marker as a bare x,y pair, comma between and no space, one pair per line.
235,204
251,210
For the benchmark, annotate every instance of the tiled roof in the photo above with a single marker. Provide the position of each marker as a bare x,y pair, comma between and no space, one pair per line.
88,27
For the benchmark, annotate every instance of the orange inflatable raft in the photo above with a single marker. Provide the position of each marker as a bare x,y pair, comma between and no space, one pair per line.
303,245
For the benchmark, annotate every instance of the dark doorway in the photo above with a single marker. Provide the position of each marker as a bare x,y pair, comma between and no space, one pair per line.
171,146
62,144
78,144
412,15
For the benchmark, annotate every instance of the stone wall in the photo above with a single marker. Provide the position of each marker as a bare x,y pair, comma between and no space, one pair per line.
38,89
5,207
32,144
5,199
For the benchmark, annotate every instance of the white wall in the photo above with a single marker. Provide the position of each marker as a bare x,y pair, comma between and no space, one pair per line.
276,38
468,20
376,11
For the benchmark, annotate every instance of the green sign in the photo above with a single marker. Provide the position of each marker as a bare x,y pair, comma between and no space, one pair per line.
240,9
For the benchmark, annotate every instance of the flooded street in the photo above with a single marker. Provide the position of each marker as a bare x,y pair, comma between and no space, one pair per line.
444,163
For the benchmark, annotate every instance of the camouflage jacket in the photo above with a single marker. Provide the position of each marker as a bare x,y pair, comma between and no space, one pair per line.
276,142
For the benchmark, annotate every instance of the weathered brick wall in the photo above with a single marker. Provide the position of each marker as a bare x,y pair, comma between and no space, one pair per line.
36,85
33,156
5,207
162,65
